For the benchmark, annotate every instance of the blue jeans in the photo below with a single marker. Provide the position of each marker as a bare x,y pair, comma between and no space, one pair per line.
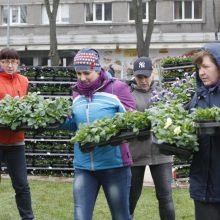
116,186
162,177
14,158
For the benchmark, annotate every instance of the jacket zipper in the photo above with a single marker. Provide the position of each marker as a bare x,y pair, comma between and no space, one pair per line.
88,121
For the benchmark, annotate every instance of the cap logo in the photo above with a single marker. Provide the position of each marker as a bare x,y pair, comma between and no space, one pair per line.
141,65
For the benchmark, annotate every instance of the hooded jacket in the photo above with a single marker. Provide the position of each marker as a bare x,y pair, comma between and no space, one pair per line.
111,97
143,151
13,85
205,167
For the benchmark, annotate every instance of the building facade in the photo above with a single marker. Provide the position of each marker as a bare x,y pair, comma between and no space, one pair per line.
107,25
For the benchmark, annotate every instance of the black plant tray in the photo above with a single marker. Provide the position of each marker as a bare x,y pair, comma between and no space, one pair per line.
122,137
185,63
41,150
28,128
62,78
169,65
31,78
61,151
45,92
62,93
169,149
60,165
44,78
207,128
169,79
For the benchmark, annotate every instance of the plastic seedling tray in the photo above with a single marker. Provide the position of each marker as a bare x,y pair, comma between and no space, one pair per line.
28,128
207,128
114,141
169,149
62,78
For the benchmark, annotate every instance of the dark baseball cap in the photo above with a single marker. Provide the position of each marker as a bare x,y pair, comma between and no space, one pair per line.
143,66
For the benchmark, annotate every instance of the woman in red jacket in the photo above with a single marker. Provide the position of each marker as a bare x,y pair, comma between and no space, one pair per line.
12,146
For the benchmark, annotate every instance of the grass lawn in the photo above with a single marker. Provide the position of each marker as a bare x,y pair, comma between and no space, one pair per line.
53,201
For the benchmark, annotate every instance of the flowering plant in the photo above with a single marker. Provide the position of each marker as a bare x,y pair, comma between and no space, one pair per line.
180,91
176,60
173,125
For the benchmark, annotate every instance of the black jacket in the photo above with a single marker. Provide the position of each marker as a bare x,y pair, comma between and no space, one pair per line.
205,167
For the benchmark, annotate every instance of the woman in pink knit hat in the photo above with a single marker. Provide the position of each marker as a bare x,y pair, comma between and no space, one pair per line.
98,95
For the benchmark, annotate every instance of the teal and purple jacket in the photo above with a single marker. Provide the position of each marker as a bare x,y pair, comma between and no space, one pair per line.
111,97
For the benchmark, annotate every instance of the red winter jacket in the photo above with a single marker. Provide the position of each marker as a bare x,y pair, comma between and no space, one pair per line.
14,85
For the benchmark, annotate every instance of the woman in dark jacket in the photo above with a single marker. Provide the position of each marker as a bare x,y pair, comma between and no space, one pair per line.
205,168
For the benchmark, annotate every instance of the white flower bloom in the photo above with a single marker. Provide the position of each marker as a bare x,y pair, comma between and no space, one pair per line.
168,123
177,130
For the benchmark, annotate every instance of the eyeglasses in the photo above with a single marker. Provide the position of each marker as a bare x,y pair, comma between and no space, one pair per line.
7,62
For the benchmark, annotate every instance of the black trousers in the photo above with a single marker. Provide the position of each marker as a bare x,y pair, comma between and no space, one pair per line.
207,211
162,177
14,157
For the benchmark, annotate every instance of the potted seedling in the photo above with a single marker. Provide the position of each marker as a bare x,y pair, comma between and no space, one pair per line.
207,121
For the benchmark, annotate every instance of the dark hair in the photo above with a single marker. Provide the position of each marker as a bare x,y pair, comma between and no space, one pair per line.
9,53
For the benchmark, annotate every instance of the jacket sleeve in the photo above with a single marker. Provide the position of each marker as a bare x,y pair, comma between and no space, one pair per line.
69,124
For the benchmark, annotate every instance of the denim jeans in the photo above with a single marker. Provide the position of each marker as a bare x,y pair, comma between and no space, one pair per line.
14,158
162,177
116,186
207,211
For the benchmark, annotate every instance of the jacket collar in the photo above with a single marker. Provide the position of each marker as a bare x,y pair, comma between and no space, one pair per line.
203,91
8,76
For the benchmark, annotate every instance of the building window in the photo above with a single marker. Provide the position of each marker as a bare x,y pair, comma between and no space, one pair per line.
145,11
17,15
98,12
188,10
62,14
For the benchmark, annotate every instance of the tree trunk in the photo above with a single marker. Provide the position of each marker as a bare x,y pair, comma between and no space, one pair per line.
150,26
143,45
139,26
216,18
53,54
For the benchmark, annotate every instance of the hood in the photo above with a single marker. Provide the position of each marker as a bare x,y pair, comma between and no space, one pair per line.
153,86
135,87
214,49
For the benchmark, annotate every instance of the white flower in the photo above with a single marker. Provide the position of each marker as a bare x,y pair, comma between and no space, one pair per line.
177,130
168,123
